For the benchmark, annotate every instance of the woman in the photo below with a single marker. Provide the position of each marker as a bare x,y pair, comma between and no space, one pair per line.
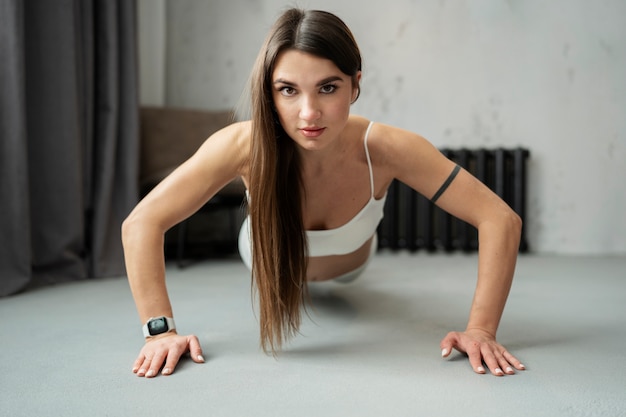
317,178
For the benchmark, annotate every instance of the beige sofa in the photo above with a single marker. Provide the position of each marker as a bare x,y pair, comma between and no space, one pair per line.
169,136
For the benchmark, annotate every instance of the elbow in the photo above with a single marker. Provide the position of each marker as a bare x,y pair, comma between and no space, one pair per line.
140,228
512,223
128,225
132,227
516,221
504,225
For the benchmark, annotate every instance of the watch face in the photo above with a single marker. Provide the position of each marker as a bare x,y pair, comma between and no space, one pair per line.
157,326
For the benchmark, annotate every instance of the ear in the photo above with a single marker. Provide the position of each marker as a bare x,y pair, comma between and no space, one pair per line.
356,88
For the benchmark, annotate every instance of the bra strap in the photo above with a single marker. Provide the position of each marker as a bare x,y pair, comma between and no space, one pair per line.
369,162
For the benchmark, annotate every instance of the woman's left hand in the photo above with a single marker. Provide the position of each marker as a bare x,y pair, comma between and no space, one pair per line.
481,346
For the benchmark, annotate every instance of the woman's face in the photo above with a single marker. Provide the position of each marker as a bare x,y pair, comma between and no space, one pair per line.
312,98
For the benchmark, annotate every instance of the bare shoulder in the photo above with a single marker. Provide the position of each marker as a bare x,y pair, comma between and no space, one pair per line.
234,137
228,146
393,147
407,156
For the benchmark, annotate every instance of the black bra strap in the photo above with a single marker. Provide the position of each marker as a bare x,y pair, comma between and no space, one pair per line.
446,184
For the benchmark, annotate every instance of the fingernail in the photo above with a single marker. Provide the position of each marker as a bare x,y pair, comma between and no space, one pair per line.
499,371
150,373
135,369
480,369
141,372
200,358
444,352
166,371
522,366
509,369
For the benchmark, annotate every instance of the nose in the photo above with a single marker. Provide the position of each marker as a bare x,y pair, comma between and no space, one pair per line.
309,109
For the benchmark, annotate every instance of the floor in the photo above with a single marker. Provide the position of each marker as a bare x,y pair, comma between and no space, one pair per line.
370,348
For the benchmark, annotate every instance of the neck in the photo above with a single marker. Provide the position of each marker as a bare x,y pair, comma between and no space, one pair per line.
320,161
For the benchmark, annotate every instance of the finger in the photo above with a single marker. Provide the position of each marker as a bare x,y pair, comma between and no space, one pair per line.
505,359
514,361
491,360
475,357
172,360
448,343
137,363
505,365
156,363
195,350
144,366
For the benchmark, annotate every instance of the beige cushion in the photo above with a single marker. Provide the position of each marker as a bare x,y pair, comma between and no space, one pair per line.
169,136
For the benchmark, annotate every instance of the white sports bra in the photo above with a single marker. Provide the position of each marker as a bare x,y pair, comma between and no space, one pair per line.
352,235
339,241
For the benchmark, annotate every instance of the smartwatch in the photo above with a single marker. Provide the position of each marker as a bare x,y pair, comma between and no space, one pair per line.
158,325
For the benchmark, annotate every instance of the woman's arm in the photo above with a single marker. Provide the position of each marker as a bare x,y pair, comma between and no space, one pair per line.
499,230
219,160
417,163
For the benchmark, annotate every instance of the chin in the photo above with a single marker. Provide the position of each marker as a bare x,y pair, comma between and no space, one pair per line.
311,145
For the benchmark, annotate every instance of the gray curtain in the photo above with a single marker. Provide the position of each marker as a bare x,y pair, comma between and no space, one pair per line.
69,138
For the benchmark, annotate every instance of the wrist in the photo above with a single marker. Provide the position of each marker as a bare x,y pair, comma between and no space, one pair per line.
484,331
158,325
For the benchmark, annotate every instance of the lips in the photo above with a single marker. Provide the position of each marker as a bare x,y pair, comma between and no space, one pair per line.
312,132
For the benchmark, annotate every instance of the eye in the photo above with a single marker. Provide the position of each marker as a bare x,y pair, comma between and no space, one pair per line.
287,91
328,88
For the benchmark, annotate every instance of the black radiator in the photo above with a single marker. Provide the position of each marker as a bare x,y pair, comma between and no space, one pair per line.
412,222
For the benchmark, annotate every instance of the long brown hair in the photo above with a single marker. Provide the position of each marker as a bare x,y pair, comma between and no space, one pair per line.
279,243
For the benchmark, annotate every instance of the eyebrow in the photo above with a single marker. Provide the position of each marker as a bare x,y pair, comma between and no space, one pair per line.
319,84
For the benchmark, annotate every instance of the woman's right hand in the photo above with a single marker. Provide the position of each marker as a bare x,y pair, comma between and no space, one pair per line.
164,351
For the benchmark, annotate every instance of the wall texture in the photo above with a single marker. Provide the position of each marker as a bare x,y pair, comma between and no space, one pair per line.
152,51
548,76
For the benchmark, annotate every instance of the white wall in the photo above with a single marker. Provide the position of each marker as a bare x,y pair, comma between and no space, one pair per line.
548,76
152,30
